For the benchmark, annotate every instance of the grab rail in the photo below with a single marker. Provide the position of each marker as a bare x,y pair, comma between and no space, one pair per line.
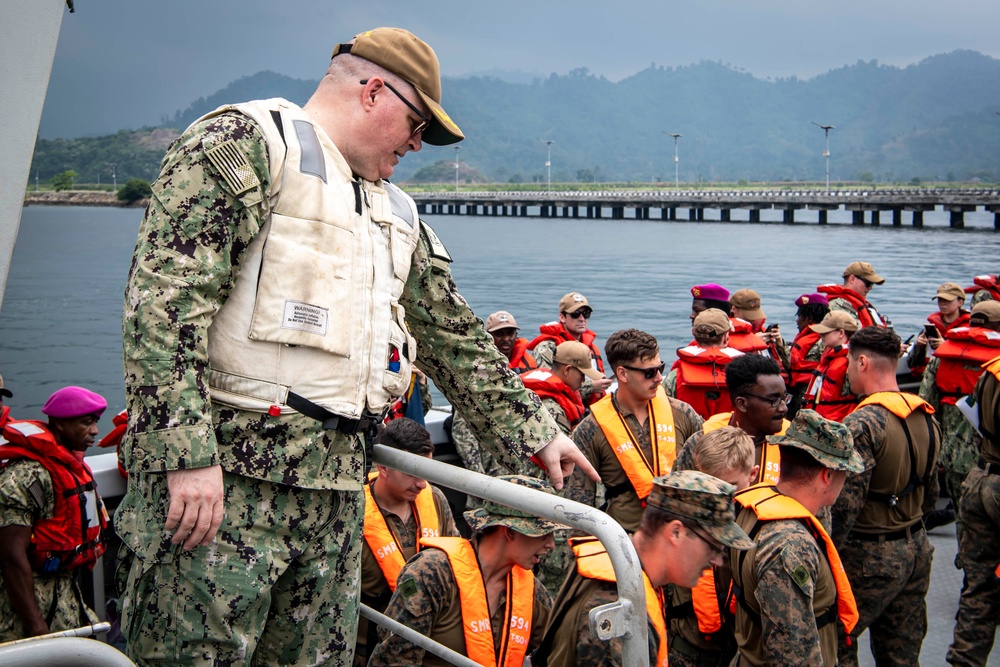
625,618
68,647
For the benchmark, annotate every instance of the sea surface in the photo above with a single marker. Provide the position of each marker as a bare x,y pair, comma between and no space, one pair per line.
60,321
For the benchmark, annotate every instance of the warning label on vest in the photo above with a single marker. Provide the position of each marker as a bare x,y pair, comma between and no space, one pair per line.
305,317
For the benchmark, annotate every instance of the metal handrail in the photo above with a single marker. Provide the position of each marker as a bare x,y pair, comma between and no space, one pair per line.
76,651
625,618
414,637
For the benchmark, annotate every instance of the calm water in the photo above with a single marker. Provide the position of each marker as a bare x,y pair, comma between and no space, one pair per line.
61,317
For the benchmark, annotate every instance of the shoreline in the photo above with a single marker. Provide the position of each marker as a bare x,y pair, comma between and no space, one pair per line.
79,198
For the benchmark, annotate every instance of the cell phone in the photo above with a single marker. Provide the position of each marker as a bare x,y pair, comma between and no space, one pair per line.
930,331
771,327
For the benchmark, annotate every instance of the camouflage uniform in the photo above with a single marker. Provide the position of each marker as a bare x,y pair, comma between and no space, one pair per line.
980,296
670,383
293,503
890,577
625,507
374,588
959,438
544,353
58,596
979,541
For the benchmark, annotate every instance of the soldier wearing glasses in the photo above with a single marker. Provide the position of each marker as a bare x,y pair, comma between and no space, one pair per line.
631,435
574,315
852,296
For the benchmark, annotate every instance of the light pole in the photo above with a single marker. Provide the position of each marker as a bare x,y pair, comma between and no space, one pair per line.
677,160
548,162
826,153
114,175
456,167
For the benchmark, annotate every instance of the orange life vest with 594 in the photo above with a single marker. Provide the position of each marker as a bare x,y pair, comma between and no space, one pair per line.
383,543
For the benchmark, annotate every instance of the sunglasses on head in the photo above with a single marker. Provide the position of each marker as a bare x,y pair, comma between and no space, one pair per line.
648,373
585,313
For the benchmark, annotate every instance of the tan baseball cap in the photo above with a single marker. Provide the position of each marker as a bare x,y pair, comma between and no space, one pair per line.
865,271
411,59
573,302
710,323
834,320
578,356
748,301
500,320
985,311
949,292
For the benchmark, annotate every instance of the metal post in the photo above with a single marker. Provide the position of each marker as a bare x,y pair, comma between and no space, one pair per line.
114,174
677,181
826,153
548,161
456,167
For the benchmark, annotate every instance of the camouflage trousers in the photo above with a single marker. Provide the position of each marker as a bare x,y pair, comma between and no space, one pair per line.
979,549
890,582
59,600
279,585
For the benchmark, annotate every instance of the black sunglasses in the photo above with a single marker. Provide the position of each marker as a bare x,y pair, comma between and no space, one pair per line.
585,313
424,119
648,373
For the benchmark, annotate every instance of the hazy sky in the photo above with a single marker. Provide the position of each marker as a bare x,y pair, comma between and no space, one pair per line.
127,63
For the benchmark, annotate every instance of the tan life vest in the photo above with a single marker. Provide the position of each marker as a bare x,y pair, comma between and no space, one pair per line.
770,455
593,562
476,624
383,543
625,444
315,309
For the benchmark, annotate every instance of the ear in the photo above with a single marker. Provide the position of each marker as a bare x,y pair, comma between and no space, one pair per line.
369,93
508,533
754,472
621,374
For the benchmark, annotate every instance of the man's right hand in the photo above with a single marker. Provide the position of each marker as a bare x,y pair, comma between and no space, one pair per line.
603,384
195,505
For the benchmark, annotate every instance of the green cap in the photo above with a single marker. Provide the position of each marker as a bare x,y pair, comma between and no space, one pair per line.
494,514
704,499
827,441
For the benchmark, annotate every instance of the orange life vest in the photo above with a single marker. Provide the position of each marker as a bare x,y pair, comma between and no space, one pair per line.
988,282
802,368
825,392
521,360
476,624
943,327
625,444
770,455
74,536
770,505
707,608
593,562
114,438
701,378
548,385
743,338
557,333
383,543
962,354
867,314
898,403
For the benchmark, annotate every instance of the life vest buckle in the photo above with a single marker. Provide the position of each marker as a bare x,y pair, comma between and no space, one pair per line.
893,500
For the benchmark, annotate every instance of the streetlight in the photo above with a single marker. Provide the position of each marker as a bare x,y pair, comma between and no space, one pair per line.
677,182
826,153
114,175
456,167
548,161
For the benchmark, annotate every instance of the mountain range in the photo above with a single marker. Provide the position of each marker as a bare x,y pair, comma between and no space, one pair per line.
933,120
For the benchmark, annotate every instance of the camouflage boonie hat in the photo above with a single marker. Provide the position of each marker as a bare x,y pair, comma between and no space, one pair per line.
494,514
827,441
704,499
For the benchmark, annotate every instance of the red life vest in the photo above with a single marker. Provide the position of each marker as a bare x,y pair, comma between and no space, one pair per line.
963,353
476,624
743,338
988,282
521,360
802,368
701,378
114,438
557,333
943,327
4,416
548,385
825,392
866,313
74,536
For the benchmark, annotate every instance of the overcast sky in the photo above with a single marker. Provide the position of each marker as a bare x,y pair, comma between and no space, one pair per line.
127,63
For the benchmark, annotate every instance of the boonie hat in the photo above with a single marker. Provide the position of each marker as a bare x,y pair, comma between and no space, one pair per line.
949,292
495,514
72,402
710,323
710,291
411,59
3,390
577,355
985,311
863,270
812,298
500,320
748,301
835,319
829,442
573,302
706,500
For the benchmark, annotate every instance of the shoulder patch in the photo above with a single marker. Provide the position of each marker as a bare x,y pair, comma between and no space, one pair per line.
233,166
800,575
437,249
407,588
